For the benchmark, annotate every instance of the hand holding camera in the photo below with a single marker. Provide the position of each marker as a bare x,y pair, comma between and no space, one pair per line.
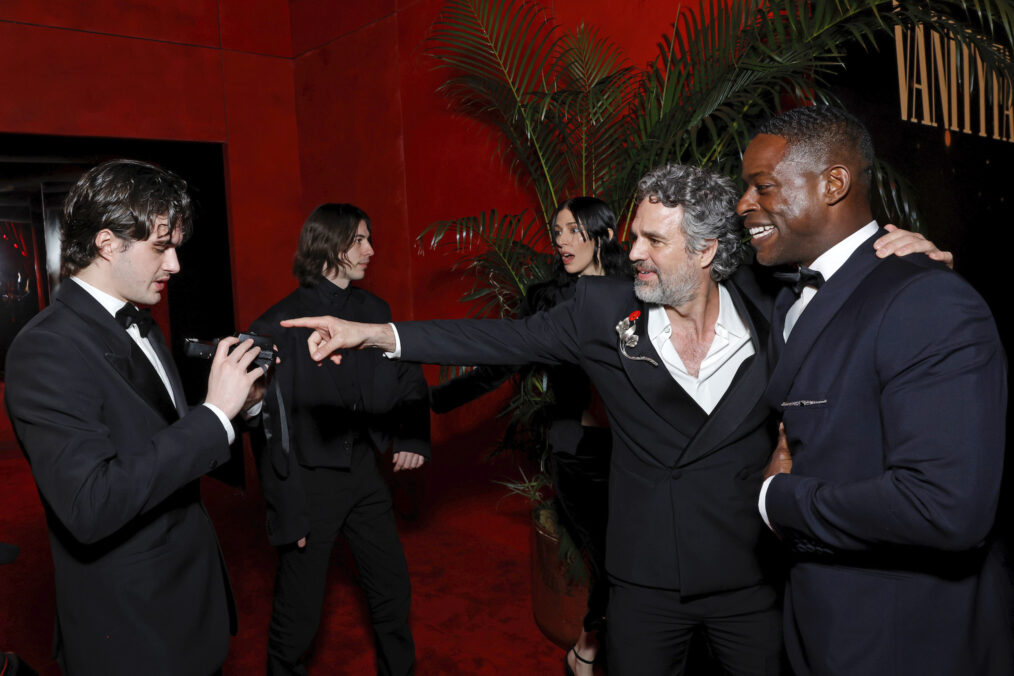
205,349
232,377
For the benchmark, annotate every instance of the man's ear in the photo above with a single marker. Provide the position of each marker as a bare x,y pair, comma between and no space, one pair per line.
709,252
105,243
837,184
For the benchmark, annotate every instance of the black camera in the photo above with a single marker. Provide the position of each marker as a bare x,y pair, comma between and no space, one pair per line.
205,349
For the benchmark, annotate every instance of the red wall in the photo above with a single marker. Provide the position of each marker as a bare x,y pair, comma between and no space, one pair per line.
374,131
203,70
313,100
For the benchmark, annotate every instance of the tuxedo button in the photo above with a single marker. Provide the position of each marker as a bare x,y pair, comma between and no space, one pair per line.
213,464
677,474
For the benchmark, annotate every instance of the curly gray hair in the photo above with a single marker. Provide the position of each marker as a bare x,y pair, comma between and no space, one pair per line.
709,211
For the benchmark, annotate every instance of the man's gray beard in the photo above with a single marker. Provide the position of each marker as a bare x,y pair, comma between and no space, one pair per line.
674,291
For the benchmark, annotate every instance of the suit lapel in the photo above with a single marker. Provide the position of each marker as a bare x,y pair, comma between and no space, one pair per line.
654,383
776,339
138,371
744,392
158,343
122,353
817,315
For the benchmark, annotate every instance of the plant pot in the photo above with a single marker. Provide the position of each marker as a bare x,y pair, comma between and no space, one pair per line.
558,602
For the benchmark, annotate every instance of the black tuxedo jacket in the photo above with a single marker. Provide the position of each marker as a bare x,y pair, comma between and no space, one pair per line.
326,411
893,391
683,485
141,587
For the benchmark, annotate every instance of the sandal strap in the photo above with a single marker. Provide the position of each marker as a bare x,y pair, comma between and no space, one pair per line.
579,658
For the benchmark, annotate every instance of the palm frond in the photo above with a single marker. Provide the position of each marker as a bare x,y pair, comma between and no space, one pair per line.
587,108
579,120
501,52
725,66
503,253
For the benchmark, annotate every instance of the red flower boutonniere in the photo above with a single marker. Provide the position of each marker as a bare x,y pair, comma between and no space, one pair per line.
625,330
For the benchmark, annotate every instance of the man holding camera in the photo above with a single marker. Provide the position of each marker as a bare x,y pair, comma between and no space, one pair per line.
318,470
98,408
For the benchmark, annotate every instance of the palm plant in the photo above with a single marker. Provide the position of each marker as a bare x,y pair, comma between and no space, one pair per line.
575,118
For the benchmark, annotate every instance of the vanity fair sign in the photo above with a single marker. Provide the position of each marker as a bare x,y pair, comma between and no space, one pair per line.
943,84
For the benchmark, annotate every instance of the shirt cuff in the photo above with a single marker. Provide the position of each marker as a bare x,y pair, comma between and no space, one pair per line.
253,410
226,423
397,343
762,504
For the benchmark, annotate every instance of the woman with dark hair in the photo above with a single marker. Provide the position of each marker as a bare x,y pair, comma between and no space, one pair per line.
584,236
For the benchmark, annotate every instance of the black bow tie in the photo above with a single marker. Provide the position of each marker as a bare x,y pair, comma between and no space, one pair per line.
128,314
800,279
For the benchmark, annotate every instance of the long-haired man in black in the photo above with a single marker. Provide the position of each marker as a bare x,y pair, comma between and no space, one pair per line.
325,481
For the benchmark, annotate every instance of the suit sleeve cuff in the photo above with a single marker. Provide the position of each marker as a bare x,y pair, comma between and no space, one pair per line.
762,501
224,419
396,354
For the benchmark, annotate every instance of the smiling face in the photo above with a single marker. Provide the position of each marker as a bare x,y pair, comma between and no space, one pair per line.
783,208
356,259
576,250
666,273
138,270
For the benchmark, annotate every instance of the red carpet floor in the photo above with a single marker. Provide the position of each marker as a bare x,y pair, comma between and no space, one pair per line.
467,547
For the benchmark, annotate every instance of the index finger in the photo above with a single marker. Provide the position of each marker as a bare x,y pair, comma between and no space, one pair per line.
306,322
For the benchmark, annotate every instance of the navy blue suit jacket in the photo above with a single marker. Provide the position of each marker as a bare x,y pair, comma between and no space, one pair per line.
893,392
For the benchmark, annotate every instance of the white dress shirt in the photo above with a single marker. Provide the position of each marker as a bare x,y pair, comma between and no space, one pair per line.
826,264
112,306
730,347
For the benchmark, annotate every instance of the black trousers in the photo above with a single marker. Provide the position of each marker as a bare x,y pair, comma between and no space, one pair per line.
356,504
581,479
650,630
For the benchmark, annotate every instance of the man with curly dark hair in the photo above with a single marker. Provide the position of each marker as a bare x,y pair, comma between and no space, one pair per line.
98,408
